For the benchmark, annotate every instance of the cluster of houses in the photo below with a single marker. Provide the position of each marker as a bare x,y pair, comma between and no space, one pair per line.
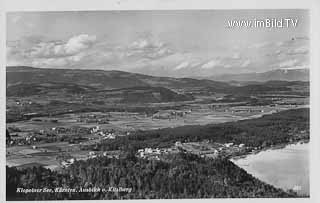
299,135
107,133
19,137
23,103
153,154
109,154
27,140
69,130
233,145
67,163
205,148
104,134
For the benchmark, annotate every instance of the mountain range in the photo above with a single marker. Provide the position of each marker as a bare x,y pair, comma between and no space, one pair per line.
56,91
27,81
103,79
278,74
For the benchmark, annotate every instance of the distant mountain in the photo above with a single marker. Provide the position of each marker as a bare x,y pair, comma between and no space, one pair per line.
147,95
59,91
29,89
130,87
124,95
104,79
279,74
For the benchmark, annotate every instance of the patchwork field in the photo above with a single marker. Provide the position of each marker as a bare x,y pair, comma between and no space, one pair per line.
121,123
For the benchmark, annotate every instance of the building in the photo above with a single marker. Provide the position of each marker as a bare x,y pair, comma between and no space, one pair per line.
95,129
228,144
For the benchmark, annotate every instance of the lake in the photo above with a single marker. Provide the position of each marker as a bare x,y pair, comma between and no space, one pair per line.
286,168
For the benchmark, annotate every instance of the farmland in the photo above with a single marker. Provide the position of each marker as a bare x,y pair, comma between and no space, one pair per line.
54,124
48,142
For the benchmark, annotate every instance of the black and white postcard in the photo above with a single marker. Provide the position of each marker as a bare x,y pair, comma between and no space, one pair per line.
169,103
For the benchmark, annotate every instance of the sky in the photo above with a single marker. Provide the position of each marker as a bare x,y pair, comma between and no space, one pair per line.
167,43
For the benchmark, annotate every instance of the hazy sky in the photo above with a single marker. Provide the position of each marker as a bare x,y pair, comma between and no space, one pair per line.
157,42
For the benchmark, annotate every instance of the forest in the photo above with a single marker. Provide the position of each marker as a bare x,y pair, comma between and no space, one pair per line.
183,175
273,129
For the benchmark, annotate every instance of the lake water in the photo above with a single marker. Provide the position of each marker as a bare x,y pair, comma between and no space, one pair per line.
286,168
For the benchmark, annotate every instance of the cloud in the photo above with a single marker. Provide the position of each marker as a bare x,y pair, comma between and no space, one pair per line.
182,65
266,56
288,63
227,62
139,44
246,63
79,43
260,45
211,64
158,53
36,51
148,47
296,67
236,56
294,41
59,62
152,55
146,43
164,51
51,62
299,50
54,49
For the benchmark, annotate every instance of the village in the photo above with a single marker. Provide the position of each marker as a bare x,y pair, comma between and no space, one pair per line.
204,149
57,141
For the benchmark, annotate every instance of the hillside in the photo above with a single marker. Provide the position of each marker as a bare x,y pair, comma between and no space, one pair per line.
29,89
182,176
147,95
124,95
22,81
279,74
103,79
252,132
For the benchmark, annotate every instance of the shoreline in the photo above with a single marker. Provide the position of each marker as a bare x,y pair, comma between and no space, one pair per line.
274,147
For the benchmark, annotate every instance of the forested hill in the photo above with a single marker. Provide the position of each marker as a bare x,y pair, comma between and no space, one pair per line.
33,80
273,129
102,79
278,74
184,176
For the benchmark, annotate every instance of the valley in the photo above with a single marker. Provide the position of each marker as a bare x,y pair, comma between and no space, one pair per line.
55,124
41,114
